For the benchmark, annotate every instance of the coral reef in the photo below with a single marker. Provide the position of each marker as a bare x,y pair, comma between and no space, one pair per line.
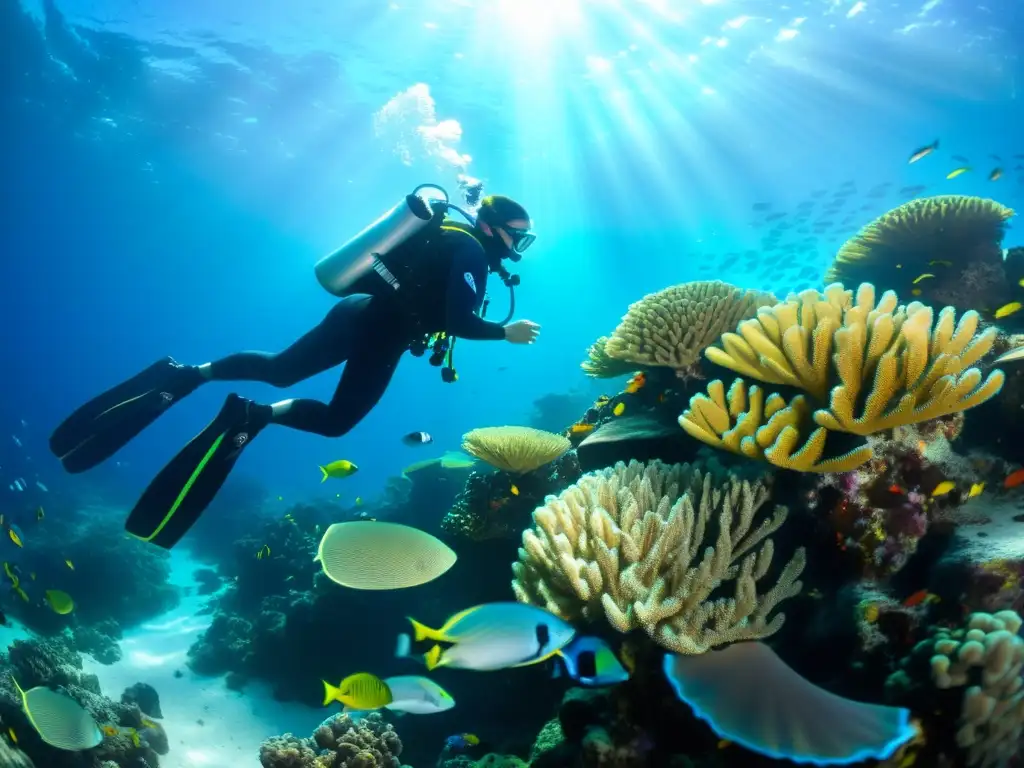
340,742
600,365
967,683
868,367
672,327
54,663
516,450
945,249
98,640
497,505
629,544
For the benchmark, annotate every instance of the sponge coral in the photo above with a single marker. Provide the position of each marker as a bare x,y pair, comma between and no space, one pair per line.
922,236
867,367
672,327
630,543
515,449
992,717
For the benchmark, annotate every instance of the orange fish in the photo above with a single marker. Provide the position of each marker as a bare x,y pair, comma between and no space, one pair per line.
896,489
921,596
1014,479
636,383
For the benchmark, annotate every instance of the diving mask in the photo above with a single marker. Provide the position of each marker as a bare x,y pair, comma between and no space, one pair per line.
522,238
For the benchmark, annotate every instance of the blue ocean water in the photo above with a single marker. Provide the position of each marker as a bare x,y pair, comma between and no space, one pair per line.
171,173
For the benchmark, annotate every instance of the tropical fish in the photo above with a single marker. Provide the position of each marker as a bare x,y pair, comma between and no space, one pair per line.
919,597
957,171
59,720
40,513
923,152
871,613
361,691
490,636
13,534
60,601
943,488
461,741
69,564
417,695
916,291
338,469
263,551
359,501
619,409
925,276
13,735
21,593
976,490
996,173
514,490
417,438
602,401
363,554
1008,309
590,661
1014,479
586,429
940,263
1013,354
636,383
113,731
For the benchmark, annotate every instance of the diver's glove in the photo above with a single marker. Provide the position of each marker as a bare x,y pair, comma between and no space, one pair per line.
522,332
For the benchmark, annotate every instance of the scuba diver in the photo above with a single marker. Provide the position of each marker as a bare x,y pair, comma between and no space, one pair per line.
413,280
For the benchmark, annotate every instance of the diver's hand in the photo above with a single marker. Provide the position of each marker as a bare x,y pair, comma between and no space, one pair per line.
522,332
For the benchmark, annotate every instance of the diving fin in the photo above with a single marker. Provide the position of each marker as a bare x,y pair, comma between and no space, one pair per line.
108,422
186,486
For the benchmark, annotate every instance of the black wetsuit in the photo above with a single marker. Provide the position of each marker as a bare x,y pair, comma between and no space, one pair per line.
442,288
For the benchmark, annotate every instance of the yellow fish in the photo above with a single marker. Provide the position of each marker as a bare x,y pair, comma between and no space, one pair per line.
264,552
61,602
976,490
925,276
359,501
11,733
957,171
515,490
916,291
619,409
21,593
360,691
69,564
943,488
940,263
1008,309
17,539
338,469
1019,282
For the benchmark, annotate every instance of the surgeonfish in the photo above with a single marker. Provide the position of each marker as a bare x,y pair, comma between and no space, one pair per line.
364,554
490,636
590,661
59,720
417,438
417,695
361,691
338,469
749,696
60,601
461,741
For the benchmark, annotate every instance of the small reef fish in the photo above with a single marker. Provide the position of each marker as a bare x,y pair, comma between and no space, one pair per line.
996,174
1014,479
490,636
417,695
417,438
361,691
636,383
923,152
870,611
958,171
113,731
514,489
1008,309
1013,354
590,661
922,596
925,276
263,552
586,429
59,720
40,514
359,501
13,534
976,490
619,409
60,601
943,488
940,263
21,593
13,736
915,291
69,564
338,469
461,741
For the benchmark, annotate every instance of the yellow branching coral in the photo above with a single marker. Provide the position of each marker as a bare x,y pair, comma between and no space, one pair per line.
600,365
866,366
630,543
515,449
672,327
911,240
